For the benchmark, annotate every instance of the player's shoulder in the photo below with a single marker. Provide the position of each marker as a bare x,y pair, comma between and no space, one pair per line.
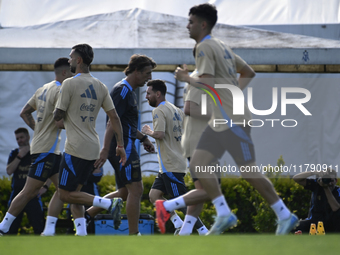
14,152
53,86
174,108
212,44
159,110
122,89
118,86
68,81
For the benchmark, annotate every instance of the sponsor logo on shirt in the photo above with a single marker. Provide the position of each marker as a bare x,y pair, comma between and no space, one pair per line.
177,129
41,109
88,108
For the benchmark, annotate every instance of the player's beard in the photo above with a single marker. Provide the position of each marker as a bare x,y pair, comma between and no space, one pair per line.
73,69
152,103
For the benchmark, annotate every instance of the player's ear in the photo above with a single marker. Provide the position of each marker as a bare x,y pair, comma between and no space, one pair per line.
204,24
79,59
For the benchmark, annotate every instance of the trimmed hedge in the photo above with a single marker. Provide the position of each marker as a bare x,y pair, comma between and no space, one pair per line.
254,214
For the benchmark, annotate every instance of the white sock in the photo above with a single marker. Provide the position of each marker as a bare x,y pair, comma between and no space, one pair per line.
7,222
80,224
281,210
188,225
176,220
101,202
174,204
221,206
50,225
202,230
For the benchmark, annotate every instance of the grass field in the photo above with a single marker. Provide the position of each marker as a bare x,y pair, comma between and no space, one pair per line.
241,244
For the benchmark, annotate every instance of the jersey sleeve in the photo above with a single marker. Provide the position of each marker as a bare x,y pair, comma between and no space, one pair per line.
65,96
205,62
158,120
120,99
32,101
56,96
107,103
240,63
194,95
12,156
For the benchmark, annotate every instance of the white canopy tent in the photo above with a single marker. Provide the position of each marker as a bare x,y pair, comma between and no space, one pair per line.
244,12
28,52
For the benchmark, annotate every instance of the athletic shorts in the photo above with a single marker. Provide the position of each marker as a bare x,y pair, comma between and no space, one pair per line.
44,165
74,171
217,174
235,140
129,173
171,184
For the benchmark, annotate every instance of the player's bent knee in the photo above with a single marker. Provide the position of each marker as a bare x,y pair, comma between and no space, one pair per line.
123,195
64,195
155,195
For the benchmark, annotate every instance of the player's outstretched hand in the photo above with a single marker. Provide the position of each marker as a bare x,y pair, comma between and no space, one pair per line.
104,153
121,152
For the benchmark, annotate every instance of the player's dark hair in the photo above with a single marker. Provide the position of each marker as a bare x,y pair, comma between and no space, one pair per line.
21,130
85,51
138,62
157,85
61,62
206,12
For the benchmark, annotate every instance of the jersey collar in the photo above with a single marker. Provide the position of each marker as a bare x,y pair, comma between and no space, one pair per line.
161,103
58,83
127,84
206,37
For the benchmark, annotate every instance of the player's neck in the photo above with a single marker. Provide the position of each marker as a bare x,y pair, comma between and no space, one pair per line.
82,69
201,36
130,79
160,101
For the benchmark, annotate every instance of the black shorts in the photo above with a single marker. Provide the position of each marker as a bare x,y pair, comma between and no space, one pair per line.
171,184
129,173
217,174
235,140
44,165
74,171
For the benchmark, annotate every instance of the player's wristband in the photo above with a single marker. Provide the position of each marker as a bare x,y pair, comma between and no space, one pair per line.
18,157
143,139
45,186
120,146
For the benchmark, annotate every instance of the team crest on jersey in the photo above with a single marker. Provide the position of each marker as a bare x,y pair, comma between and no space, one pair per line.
90,93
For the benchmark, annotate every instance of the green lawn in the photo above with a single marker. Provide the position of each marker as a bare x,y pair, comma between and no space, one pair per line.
241,244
